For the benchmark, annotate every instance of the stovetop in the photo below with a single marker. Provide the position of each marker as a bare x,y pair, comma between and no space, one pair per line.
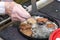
11,32
53,9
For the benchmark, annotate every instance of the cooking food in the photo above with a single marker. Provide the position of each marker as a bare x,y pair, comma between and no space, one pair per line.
42,20
50,25
31,21
38,27
27,32
25,26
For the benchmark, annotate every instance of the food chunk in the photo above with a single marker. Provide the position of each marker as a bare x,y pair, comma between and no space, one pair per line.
50,25
27,32
42,20
25,26
31,20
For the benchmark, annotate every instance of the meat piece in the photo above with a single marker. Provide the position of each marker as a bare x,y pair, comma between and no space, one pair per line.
42,20
25,26
27,32
50,25
31,21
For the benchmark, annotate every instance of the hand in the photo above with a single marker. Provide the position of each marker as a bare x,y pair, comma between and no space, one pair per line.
16,11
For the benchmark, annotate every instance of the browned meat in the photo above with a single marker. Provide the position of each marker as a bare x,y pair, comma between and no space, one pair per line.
42,20
50,25
25,26
31,21
27,32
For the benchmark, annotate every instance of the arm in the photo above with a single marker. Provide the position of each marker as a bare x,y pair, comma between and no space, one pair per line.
2,8
15,11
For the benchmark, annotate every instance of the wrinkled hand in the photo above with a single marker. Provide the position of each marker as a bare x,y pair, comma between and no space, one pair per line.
17,12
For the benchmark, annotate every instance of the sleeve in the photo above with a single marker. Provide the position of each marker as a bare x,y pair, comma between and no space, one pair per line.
2,8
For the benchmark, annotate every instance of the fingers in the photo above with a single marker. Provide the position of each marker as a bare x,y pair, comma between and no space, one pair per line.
21,11
16,17
18,13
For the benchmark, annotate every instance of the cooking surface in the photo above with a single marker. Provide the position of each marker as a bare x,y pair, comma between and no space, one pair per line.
11,32
52,9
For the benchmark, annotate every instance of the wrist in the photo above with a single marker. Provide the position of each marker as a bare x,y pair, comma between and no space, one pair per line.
9,6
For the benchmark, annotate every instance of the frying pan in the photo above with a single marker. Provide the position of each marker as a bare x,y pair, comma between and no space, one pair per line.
31,38
36,13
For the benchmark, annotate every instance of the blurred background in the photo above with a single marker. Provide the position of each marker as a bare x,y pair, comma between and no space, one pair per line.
21,1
